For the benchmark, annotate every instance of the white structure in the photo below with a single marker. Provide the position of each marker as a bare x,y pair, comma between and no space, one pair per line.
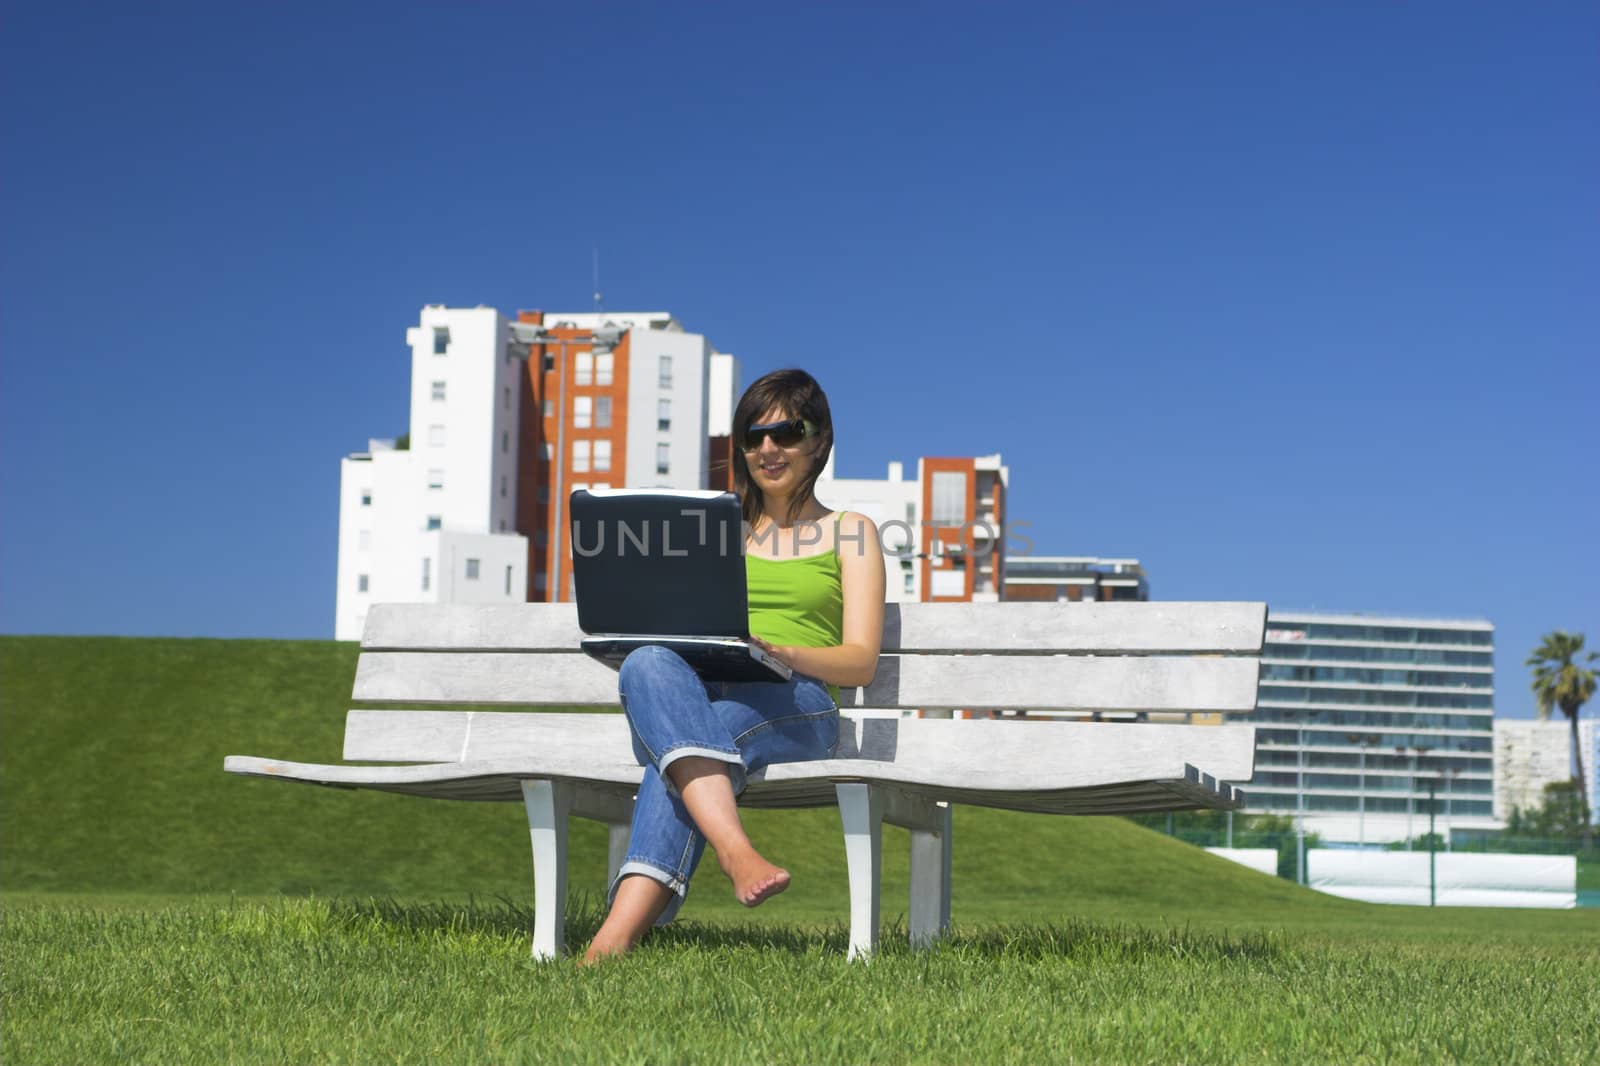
1359,715
895,506
1457,879
437,522
1261,860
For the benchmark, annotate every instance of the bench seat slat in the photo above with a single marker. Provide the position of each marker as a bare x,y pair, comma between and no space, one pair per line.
1014,628
799,785
1058,682
959,752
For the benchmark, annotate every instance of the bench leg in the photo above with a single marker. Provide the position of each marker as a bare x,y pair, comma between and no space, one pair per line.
861,811
548,803
930,880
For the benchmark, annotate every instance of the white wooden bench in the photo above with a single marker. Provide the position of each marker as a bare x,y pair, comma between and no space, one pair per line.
1198,657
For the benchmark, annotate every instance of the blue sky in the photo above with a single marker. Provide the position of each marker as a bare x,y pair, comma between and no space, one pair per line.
1293,302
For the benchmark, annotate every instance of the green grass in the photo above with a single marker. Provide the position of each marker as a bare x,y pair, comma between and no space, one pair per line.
341,981
156,909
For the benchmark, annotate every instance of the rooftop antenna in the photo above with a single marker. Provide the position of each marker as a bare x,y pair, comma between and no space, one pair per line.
597,303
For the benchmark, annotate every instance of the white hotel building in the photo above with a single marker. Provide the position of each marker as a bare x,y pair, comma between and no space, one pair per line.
1357,715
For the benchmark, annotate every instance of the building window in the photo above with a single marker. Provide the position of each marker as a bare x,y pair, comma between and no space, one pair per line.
472,569
436,436
604,366
580,456
548,363
502,486
663,414
665,372
438,390
366,497
427,573
505,441
583,412
434,521
508,581
506,405
911,588
549,451
361,582
436,479
949,583
580,486
549,408
602,455
601,485
949,498
441,340
583,374
663,458
364,539
602,412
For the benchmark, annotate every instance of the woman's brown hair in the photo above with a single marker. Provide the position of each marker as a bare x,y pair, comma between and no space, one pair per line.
796,394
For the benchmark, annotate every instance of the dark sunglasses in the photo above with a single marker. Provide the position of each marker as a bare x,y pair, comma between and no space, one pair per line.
784,434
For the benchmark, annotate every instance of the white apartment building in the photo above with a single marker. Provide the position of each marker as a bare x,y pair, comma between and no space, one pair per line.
436,522
469,512
1528,755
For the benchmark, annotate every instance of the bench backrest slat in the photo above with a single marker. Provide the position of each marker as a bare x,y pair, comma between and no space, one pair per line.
1010,628
1058,682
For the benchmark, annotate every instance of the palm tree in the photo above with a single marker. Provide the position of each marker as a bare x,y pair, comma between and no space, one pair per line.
1560,681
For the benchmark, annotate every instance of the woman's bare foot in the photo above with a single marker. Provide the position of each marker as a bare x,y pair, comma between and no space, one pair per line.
602,947
755,880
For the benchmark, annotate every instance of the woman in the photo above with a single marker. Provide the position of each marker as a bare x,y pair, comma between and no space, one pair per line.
816,602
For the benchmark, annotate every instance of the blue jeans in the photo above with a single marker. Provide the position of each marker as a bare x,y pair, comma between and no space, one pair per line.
672,713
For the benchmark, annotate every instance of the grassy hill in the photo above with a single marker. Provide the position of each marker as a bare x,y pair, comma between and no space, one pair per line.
111,782
1076,939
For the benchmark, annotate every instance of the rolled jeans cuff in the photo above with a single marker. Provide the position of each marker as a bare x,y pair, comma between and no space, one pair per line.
734,760
673,879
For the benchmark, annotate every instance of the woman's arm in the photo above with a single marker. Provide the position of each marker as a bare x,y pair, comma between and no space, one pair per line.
855,659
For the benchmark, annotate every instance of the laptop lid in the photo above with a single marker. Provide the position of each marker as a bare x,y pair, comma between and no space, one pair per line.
659,561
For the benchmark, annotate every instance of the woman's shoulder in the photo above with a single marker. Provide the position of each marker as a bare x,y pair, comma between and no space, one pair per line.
853,528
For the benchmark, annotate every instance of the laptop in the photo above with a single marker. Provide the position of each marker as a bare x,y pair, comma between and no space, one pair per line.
666,566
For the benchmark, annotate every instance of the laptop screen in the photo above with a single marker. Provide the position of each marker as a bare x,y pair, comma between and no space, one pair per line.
659,562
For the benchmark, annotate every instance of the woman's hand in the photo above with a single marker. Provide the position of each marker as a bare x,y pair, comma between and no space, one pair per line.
779,653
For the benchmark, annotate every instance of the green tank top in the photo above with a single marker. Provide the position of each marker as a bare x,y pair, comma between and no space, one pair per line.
797,601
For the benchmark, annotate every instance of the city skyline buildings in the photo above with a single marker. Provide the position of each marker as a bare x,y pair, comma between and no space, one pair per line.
510,415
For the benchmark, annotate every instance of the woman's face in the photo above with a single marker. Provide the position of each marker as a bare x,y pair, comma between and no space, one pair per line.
775,469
